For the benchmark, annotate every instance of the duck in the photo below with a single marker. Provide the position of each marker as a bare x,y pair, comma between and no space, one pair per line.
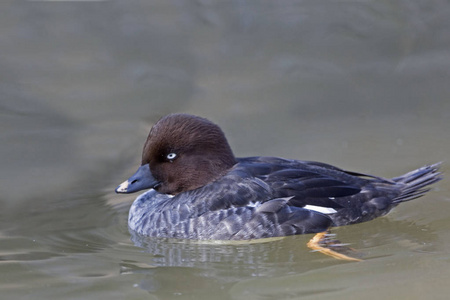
198,189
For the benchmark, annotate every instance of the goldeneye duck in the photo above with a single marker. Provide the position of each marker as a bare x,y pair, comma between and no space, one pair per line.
200,190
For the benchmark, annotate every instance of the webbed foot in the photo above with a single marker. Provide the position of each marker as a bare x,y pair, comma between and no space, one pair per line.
325,243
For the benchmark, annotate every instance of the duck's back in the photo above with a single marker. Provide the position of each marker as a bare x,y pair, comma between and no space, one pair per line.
267,197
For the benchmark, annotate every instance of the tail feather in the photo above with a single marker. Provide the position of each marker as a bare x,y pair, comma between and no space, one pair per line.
416,182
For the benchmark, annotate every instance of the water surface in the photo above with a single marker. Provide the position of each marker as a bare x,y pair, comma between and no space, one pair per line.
363,85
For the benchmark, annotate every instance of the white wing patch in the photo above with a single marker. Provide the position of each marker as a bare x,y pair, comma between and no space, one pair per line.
258,203
253,204
321,209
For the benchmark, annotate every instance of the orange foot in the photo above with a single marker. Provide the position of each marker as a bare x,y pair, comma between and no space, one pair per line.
321,241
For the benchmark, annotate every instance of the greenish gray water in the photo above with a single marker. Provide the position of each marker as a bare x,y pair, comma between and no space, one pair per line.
361,85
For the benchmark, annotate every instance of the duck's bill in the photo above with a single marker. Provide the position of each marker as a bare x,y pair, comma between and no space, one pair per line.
141,180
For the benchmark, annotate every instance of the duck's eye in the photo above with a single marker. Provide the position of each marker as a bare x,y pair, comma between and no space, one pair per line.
171,156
